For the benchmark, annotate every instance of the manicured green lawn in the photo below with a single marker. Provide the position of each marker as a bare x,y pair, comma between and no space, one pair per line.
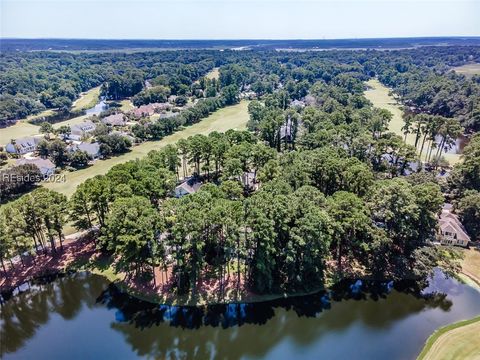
87,99
73,121
456,341
471,264
20,129
380,96
468,70
47,112
232,117
126,105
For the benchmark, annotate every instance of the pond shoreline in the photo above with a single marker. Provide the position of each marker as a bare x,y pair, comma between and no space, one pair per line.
118,295
80,255
436,345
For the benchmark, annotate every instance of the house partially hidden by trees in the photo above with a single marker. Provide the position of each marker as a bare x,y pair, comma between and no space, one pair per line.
78,131
143,111
23,145
45,166
115,120
92,149
187,187
451,230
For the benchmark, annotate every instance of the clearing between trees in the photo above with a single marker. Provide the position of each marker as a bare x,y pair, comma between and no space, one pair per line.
468,70
213,74
232,117
380,96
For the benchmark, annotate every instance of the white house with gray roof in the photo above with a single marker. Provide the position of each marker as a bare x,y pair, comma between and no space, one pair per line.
23,145
82,129
451,230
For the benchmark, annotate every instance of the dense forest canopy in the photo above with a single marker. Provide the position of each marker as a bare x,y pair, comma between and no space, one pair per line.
33,81
316,189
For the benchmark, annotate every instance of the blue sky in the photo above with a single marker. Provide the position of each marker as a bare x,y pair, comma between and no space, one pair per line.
238,19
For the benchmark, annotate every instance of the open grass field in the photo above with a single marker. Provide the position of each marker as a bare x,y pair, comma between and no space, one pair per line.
232,117
87,99
73,121
380,96
126,105
456,341
213,74
23,128
20,129
468,70
47,112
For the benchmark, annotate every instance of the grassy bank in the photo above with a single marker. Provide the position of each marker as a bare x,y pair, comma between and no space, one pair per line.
232,117
103,267
380,96
471,265
460,340
86,100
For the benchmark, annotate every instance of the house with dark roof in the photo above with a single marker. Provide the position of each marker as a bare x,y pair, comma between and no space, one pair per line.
45,166
23,145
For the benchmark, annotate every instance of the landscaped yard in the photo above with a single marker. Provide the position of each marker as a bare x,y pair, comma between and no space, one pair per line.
232,117
468,70
87,99
380,96
457,341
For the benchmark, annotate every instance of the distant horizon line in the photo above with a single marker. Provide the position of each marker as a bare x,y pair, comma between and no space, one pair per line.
246,39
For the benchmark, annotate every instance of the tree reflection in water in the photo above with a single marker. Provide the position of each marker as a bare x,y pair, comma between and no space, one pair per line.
223,331
24,313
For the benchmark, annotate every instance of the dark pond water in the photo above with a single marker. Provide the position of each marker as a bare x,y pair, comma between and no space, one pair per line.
83,317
